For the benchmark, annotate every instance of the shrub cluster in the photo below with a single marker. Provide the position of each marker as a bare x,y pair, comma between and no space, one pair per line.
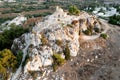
105,36
8,63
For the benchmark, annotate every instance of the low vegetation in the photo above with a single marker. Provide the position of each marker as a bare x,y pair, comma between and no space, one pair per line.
115,19
7,37
59,42
105,36
67,52
34,74
37,15
73,10
2,20
8,63
44,40
57,61
87,32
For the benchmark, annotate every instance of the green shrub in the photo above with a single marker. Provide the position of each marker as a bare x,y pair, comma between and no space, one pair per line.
7,63
57,61
67,52
87,32
73,10
7,37
105,36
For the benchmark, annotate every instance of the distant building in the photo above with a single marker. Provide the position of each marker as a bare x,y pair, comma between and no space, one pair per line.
111,1
10,0
1,2
41,0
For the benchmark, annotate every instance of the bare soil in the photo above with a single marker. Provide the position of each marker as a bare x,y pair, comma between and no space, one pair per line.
24,13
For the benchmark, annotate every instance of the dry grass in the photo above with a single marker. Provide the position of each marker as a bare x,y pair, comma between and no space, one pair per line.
31,21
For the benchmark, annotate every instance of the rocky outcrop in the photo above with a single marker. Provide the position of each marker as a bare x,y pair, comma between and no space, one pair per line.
51,35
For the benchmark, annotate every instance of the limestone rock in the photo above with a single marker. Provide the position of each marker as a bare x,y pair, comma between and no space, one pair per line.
58,26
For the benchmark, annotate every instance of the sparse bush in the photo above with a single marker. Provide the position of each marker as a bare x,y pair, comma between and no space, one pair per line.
59,42
105,36
67,52
34,74
74,10
87,32
44,40
57,61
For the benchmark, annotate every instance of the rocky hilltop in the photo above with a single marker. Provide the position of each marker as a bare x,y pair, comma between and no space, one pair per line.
53,35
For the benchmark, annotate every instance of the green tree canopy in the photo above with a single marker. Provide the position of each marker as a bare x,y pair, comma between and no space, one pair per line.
7,37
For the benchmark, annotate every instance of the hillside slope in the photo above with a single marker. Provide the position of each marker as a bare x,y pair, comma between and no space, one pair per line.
64,35
101,63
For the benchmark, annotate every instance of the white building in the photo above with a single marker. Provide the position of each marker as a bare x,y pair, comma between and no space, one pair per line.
10,0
